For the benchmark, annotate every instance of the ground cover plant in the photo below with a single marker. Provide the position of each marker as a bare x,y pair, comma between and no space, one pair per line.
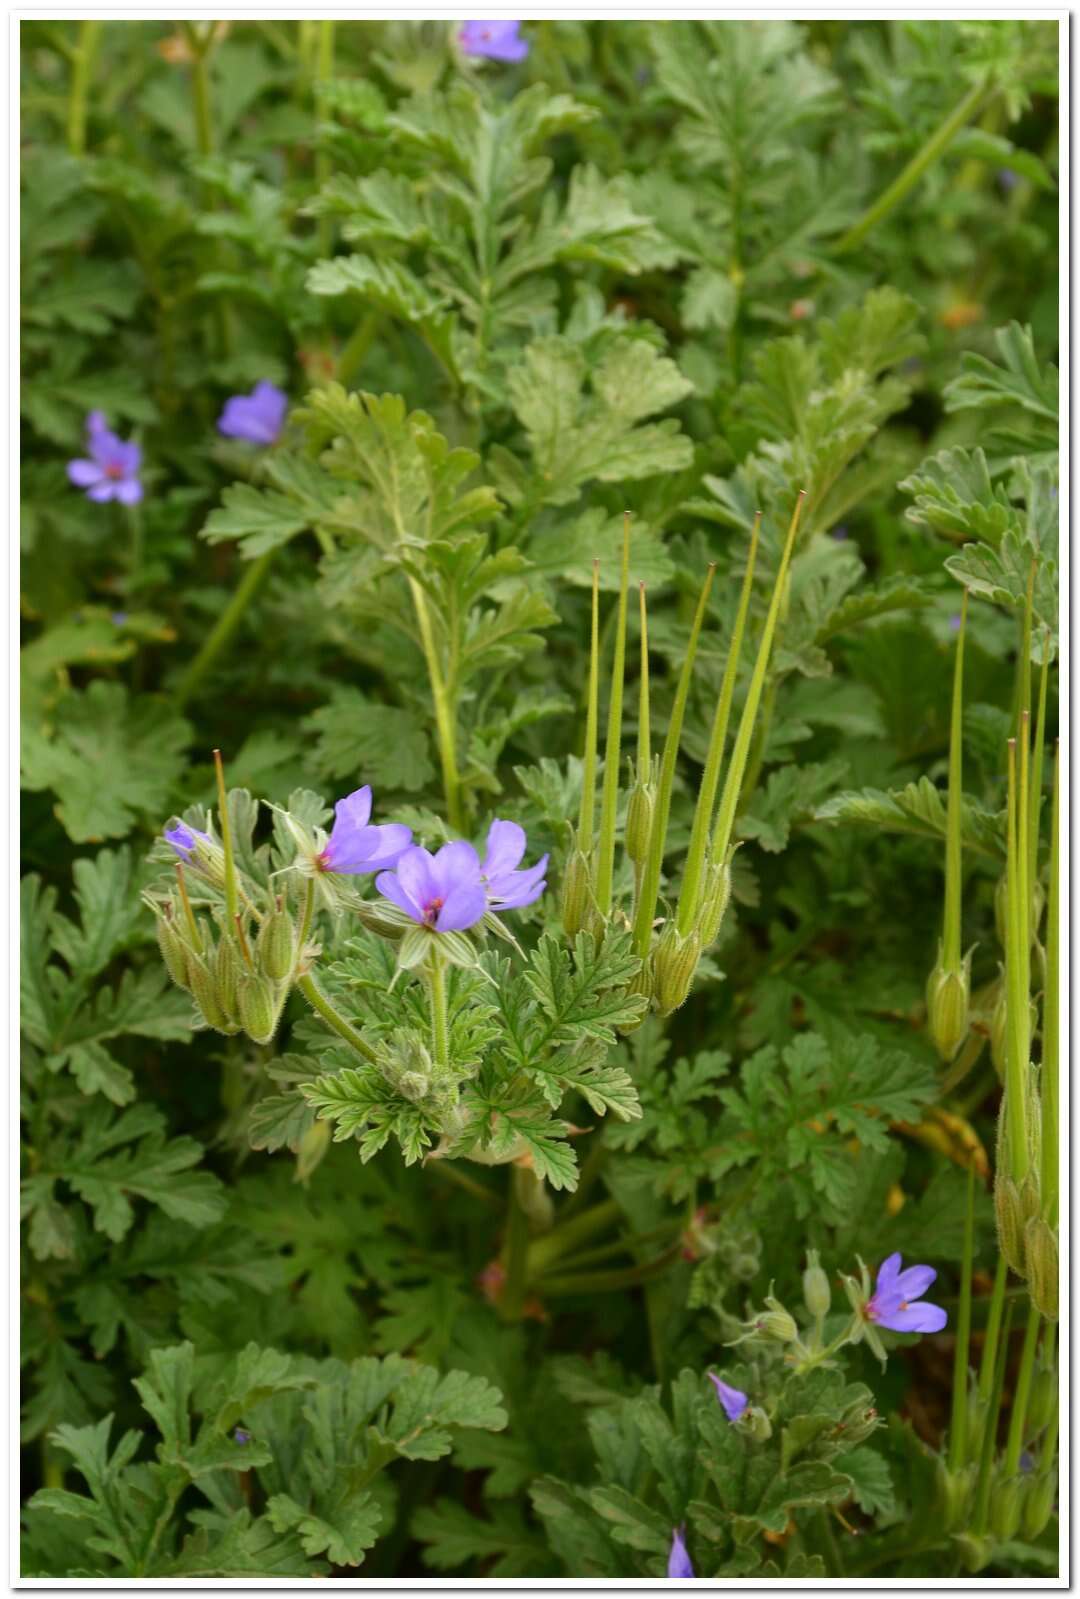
539,709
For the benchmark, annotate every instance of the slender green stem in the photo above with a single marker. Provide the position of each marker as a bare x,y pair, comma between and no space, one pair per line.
82,67
224,628
1049,1086
324,71
950,942
609,800
232,902
440,1028
961,1385
332,1017
1021,1394
1017,957
587,813
568,1235
1022,687
729,799
644,737
610,1282
989,1438
993,1332
445,715
454,1174
689,892
1037,755
650,887
590,1171
200,46
815,1357
356,348
935,146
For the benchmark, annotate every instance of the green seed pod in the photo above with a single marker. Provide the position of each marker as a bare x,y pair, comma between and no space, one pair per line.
954,1493
674,963
999,1032
1035,910
714,903
205,991
817,1294
275,947
1005,1504
1043,1399
858,1423
258,1007
577,893
639,815
1041,1252
1039,1503
174,951
1010,1226
947,1000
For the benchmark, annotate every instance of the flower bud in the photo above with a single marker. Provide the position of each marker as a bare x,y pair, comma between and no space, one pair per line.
777,1322
1043,1398
639,815
227,970
311,1149
1005,1501
1041,1252
947,998
1039,1503
857,1423
714,903
954,1493
817,1294
174,951
576,894
204,989
258,1007
756,1423
674,963
1010,1224
275,947
999,1032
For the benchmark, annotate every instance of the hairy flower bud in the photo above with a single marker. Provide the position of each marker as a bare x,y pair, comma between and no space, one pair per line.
756,1423
275,947
204,989
1043,1398
816,1291
1005,1501
947,1000
227,970
674,963
858,1422
639,815
174,950
999,1031
576,893
1041,1253
954,1493
258,1007
1014,1206
310,1150
1039,1503
714,903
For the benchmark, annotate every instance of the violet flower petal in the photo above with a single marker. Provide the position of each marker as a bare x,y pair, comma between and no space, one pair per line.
733,1400
462,908
678,1559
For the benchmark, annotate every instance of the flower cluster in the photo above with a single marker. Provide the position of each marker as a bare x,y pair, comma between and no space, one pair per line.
453,889
110,470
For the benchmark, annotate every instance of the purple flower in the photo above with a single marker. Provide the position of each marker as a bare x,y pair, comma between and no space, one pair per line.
1007,178
112,472
256,417
442,891
241,1436
678,1561
733,1400
954,622
184,839
508,889
894,1292
355,847
497,40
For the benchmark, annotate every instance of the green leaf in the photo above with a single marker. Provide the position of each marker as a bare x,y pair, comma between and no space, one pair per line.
259,519
345,1540
920,809
869,1473
383,741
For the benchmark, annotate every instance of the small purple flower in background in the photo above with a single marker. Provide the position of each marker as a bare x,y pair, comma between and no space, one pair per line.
118,618
441,891
184,839
256,417
733,1400
355,847
507,888
1007,178
954,622
241,1436
895,1291
840,532
678,1561
497,40
112,472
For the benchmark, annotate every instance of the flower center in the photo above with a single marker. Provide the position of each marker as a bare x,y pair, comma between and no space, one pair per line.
114,471
431,910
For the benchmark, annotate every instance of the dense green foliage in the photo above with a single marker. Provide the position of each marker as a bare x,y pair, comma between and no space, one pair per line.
298,1307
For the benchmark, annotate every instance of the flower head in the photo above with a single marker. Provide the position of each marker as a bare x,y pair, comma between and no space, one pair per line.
441,891
678,1563
498,41
256,417
733,1400
508,889
112,470
892,1303
354,846
184,839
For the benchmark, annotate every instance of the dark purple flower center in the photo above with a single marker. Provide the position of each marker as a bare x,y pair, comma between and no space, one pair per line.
432,909
114,471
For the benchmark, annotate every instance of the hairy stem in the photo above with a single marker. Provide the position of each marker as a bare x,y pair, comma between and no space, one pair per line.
82,66
224,628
